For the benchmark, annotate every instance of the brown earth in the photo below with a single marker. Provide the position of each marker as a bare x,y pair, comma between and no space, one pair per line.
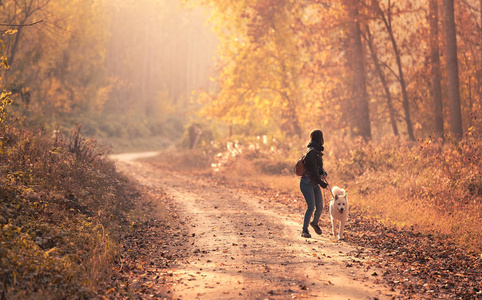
225,242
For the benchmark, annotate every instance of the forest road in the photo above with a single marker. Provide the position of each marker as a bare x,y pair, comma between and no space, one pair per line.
246,247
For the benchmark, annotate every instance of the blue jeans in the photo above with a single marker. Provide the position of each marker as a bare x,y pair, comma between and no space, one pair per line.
312,193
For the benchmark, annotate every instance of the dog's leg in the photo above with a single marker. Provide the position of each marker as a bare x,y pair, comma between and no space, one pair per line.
333,224
342,226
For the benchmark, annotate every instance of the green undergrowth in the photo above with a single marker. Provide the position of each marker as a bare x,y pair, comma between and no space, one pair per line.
63,208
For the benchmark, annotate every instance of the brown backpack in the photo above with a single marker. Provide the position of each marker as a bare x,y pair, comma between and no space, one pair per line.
300,166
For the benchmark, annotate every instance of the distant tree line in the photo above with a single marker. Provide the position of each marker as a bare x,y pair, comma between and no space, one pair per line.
122,68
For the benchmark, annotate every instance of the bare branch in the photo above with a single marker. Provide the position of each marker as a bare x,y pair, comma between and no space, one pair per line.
20,25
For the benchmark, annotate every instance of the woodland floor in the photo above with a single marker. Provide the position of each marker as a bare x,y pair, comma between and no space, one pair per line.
205,237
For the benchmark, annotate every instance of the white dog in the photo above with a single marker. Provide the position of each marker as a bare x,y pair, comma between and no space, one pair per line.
339,210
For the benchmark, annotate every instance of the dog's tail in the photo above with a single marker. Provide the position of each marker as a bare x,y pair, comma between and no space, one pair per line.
337,191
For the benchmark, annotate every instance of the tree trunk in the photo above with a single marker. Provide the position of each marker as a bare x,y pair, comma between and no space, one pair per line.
435,70
453,90
480,66
406,103
13,50
360,116
381,76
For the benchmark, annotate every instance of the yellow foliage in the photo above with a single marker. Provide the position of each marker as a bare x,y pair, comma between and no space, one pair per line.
10,31
57,96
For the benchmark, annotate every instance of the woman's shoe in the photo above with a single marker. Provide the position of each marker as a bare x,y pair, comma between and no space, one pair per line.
305,234
316,228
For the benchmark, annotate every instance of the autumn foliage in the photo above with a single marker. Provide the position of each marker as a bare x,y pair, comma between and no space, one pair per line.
358,68
394,85
62,208
433,187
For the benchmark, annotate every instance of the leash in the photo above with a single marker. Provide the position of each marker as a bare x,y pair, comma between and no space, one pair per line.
329,188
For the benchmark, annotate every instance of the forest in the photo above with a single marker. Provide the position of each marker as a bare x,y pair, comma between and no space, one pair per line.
230,88
367,68
406,69
105,64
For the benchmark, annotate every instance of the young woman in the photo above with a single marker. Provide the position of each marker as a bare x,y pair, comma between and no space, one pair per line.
312,180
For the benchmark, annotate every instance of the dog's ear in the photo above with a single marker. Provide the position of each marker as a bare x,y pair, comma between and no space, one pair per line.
336,197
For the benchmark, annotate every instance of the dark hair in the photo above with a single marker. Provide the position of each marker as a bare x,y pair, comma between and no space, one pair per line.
317,136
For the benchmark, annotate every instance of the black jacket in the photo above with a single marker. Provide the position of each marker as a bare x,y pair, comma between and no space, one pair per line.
314,163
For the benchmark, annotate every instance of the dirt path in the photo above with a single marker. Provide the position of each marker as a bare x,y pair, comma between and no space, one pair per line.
245,247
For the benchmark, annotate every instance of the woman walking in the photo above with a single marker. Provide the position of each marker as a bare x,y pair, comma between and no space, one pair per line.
311,181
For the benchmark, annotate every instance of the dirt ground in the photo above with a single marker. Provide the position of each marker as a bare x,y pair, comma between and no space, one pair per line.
240,246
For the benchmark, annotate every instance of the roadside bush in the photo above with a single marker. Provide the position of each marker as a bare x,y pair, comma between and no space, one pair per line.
434,186
254,155
62,206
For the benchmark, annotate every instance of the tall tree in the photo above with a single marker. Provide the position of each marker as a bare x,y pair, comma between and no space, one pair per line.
387,21
435,69
259,81
20,13
383,81
453,90
358,105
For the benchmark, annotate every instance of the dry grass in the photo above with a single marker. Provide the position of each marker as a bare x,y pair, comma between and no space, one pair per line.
183,160
283,183
432,187
239,168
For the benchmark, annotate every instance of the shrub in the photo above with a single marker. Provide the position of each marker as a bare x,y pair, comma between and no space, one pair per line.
434,186
62,204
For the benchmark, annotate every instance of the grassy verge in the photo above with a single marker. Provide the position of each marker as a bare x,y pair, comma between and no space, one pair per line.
63,207
433,187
